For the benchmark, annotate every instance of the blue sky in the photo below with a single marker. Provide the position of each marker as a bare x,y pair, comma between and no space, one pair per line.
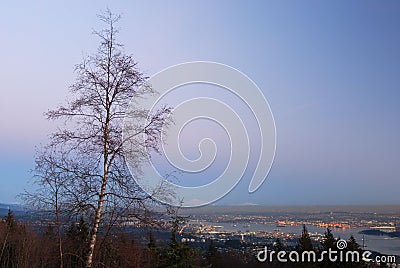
329,69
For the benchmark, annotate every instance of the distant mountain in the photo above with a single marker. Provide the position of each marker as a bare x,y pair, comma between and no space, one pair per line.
15,208
379,233
248,209
248,204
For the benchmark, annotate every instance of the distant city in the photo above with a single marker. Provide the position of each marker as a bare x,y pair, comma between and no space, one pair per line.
249,228
375,228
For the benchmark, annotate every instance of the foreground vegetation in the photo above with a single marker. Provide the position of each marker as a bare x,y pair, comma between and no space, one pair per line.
25,245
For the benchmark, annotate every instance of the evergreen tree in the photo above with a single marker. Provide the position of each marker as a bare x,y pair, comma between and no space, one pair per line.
79,230
49,232
305,243
78,238
278,245
10,220
214,257
152,241
329,241
179,254
352,245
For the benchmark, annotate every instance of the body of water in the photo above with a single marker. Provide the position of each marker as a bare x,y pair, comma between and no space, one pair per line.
383,244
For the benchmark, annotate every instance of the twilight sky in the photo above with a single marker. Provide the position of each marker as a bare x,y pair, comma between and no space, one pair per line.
329,70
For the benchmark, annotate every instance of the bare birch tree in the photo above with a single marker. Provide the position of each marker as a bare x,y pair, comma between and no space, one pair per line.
91,171
48,199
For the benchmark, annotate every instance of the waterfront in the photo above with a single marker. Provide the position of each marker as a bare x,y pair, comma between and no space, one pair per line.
382,244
